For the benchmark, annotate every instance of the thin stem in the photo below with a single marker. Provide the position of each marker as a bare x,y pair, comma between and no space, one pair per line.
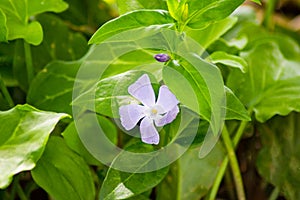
29,65
21,193
275,194
218,180
234,164
222,170
268,18
229,184
6,93
14,187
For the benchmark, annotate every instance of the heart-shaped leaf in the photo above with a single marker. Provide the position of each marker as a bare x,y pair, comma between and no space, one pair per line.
24,134
63,173
279,159
18,13
52,88
272,84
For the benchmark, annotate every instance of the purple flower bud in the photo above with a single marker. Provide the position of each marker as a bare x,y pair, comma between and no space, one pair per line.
161,57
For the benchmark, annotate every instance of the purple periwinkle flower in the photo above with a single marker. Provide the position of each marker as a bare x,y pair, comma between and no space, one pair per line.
161,57
160,112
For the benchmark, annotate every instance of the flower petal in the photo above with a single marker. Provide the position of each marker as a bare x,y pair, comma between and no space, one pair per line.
166,99
168,117
149,133
130,115
142,90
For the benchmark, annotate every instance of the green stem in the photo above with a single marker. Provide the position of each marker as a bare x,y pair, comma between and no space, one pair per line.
14,188
218,180
6,93
29,65
222,170
234,164
275,194
268,18
21,193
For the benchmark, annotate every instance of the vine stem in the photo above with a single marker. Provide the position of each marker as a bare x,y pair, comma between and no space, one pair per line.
28,61
268,17
6,93
234,164
222,170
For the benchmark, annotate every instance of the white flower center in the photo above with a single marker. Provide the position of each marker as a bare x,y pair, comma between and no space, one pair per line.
153,112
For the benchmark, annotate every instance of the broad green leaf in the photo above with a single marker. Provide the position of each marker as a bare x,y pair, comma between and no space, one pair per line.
122,185
52,88
209,11
31,33
24,134
234,108
230,45
132,20
18,13
130,5
134,60
3,27
40,6
272,84
64,46
212,32
110,93
279,159
86,16
63,173
228,60
187,129
199,87
256,34
190,178
73,140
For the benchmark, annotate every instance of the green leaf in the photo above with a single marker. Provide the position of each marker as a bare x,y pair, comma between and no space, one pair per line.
132,20
206,12
272,84
257,1
52,88
122,185
18,13
73,140
229,45
234,108
63,173
199,87
39,6
24,134
190,177
131,5
212,32
3,27
279,159
64,46
85,17
229,60
110,93
173,8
